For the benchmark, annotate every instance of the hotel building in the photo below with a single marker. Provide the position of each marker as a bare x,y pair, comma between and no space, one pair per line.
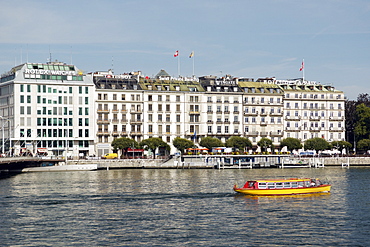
56,108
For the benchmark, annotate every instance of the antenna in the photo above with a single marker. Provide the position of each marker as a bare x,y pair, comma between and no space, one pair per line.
71,55
49,55
112,65
27,53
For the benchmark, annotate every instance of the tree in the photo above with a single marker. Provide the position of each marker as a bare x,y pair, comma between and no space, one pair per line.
363,144
291,143
351,118
123,144
211,142
340,145
238,142
153,143
317,144
182,144
362,125
265,143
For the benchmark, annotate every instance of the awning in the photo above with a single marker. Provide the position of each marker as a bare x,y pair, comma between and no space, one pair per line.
135,150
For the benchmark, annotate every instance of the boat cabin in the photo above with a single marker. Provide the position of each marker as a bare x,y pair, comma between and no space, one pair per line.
282,184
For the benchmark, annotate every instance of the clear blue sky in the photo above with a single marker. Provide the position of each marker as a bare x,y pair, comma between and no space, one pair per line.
243,38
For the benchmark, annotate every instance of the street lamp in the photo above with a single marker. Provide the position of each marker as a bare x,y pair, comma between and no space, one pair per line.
3,137
2,130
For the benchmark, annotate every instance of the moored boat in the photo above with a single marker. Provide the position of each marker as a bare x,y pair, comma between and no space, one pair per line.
58,168
292,186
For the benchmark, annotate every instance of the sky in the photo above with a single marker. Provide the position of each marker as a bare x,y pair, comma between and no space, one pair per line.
242,38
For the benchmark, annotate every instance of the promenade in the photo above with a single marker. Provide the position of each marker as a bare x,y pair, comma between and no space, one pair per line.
187,162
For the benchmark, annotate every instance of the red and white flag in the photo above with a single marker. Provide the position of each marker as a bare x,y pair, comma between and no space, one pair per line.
302,66
176,54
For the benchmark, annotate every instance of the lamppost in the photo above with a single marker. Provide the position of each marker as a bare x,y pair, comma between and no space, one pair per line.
3,136
2,130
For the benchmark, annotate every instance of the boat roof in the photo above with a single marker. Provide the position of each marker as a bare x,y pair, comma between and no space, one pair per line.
281,180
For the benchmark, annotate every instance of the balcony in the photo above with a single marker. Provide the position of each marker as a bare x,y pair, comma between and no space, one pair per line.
293,118
252,133
276,114
339,129
276,134
194,112
264,133
103,133
103,121
292,129
315,129
103,111
135,111
264,114
251,113
315,118
136,121
336,118
116,133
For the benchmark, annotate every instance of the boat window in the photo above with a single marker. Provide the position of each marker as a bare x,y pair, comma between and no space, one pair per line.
279,185
307,183
271,185
250,184
286,184
262,185
294,185
300,184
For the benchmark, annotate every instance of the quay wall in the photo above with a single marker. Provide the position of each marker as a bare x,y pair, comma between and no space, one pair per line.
198,163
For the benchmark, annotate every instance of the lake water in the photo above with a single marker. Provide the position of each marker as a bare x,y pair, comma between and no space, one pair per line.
147,207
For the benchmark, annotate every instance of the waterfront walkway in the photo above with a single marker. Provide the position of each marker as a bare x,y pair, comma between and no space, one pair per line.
187,162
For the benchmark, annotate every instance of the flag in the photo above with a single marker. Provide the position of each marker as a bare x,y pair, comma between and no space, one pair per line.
176,54
302,66
191,54
195,135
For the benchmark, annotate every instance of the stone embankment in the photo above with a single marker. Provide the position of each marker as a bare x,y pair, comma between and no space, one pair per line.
126,163
175,163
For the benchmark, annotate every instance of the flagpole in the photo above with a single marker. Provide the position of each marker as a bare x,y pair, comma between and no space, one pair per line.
303,70
193,66
178,65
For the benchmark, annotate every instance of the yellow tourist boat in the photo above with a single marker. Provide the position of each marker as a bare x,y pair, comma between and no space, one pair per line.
292,186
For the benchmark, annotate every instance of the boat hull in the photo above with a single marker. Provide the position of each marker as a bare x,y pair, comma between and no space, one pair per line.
290,191
90,167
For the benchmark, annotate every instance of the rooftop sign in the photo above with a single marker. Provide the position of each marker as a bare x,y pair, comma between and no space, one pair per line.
291,82
48,72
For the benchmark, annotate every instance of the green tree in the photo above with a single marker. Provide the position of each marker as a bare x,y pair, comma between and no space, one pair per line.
211,142
340,145
123,144
317,144
265,143
238,142
291,143
363,144
182,144
153,143
362,125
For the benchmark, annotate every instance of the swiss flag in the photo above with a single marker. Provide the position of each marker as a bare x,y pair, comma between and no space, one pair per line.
302,66
176,54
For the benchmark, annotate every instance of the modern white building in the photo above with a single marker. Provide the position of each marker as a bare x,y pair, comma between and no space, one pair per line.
54,107
47,107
